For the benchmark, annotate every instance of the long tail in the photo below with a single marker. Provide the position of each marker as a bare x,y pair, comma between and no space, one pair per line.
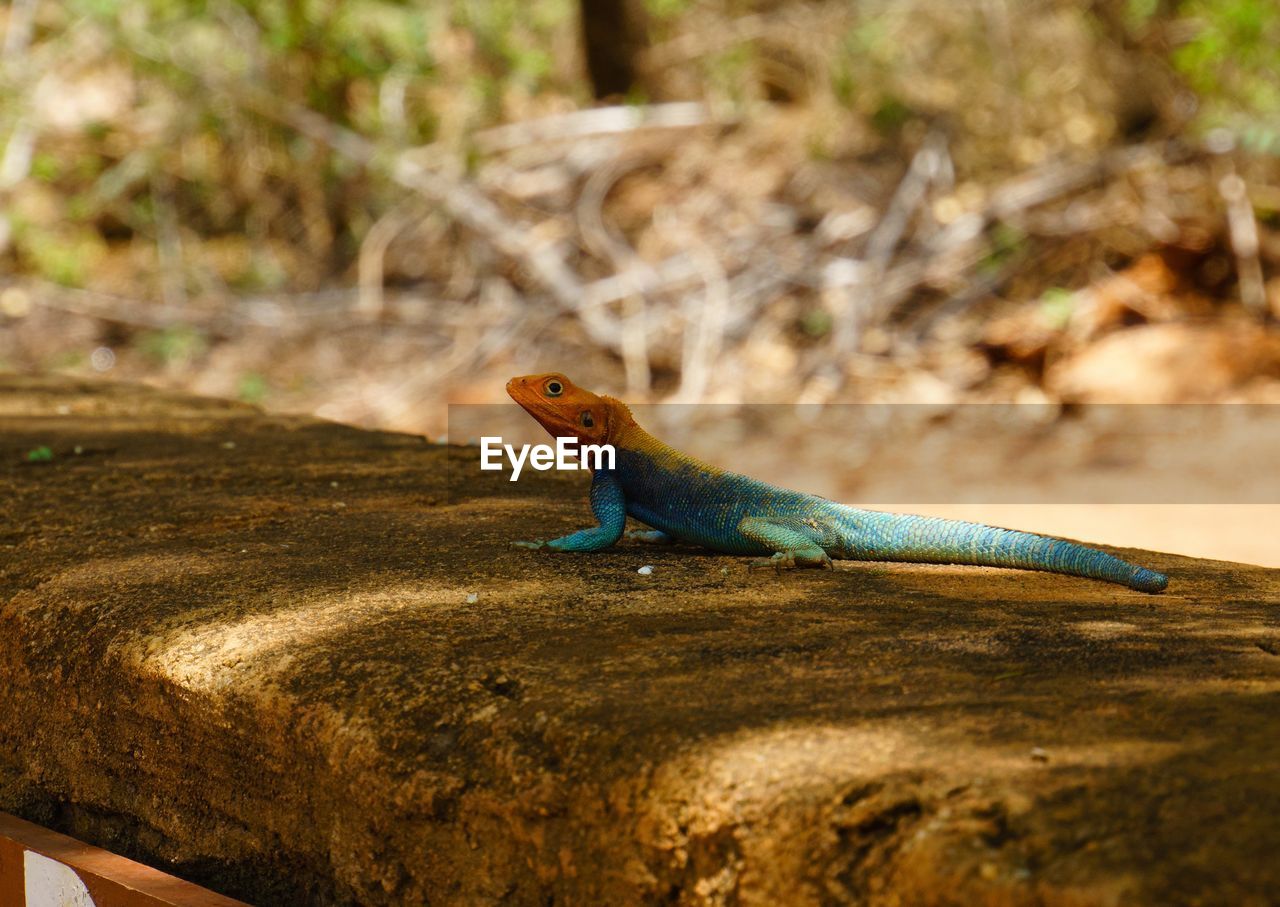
904,537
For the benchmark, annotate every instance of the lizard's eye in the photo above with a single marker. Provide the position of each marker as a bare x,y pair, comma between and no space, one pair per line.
586,419
554,388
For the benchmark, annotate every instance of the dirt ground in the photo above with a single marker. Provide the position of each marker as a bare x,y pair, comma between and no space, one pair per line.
301,663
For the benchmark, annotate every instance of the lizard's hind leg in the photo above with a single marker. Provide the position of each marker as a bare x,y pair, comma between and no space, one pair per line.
793,543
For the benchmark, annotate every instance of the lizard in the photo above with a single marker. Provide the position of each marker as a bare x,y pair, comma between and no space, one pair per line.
685,499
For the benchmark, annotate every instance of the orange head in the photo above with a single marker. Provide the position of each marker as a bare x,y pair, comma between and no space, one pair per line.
566,410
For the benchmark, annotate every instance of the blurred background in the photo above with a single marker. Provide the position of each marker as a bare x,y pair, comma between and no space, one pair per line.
369,209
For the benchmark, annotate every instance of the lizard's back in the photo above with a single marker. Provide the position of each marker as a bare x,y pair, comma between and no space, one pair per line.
700,503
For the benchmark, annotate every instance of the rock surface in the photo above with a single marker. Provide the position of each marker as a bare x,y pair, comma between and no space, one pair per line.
242,648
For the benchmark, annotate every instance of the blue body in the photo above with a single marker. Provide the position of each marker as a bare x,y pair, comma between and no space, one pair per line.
699,503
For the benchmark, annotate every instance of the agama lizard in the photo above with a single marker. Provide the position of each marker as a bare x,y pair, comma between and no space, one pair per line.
684,499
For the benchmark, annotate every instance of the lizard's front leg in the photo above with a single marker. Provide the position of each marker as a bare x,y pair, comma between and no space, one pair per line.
793,547
609,505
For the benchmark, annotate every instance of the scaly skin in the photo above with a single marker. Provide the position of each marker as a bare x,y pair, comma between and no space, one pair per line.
687,500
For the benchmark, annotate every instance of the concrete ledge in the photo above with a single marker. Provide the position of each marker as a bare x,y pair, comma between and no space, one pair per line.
239,648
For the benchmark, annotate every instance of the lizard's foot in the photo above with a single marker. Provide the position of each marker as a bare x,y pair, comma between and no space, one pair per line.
790,560
779,562
534,546
796,544
651,536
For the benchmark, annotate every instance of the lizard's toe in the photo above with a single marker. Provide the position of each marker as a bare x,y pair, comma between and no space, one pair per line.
649,536
808,558
783,560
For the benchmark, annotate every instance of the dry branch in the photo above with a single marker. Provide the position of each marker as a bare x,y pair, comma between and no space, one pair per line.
862,299
580,124
1242,230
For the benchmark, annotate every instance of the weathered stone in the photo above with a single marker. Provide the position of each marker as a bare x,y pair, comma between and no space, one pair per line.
240,647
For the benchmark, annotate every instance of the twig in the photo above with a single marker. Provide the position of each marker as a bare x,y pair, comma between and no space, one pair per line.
667,275
694,44
608,245
635,346
1054,180
704,319
925,166
979,288
1242,228
603,242
116,309
173,288
17,33
15,162
465,352
580,124
861,302
222,317
373,252
751,290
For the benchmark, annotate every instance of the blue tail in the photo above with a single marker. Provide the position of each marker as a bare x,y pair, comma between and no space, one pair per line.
872,535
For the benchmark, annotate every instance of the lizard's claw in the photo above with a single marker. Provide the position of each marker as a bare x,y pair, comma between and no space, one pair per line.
533,546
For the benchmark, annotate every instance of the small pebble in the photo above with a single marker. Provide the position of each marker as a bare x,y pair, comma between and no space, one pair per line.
1039,755
645,570
228,445
472,598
